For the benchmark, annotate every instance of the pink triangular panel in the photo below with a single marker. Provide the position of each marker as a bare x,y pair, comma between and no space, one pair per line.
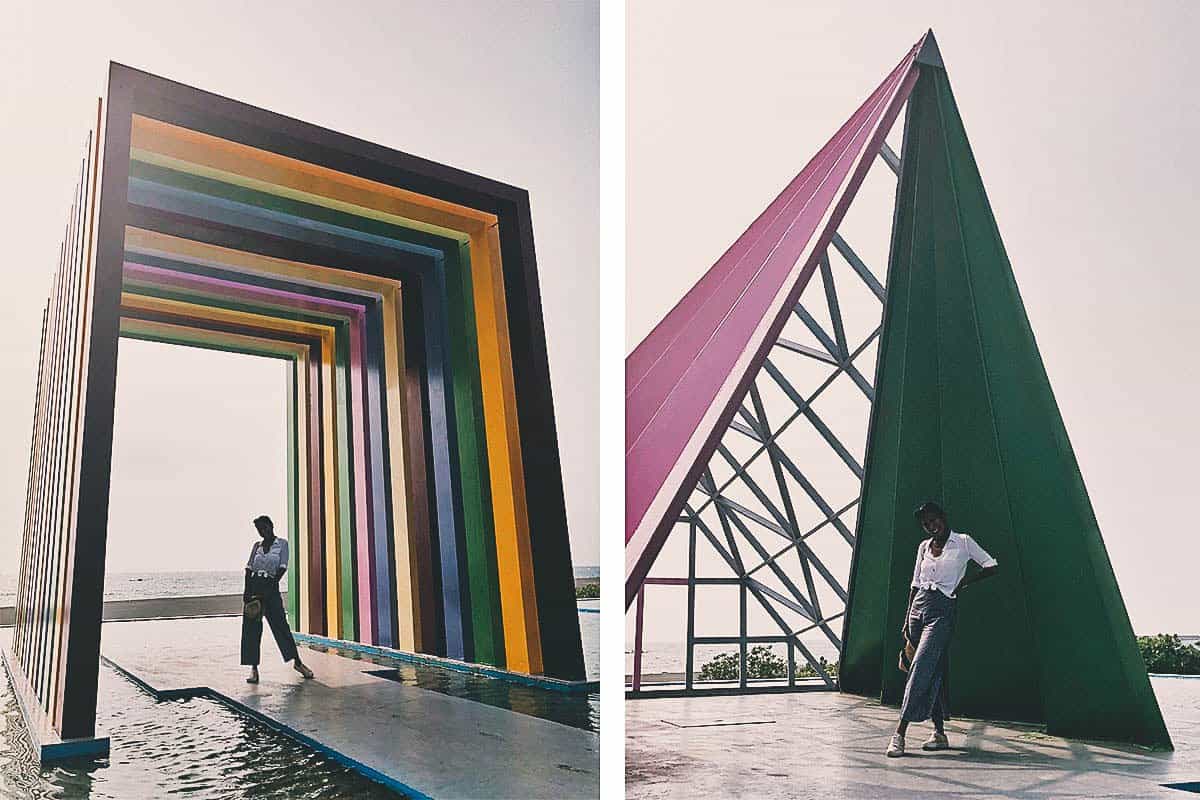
683,382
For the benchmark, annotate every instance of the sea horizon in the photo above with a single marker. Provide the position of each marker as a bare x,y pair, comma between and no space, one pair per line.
147,585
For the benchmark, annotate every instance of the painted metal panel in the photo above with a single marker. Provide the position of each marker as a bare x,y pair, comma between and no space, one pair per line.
964,413
684,381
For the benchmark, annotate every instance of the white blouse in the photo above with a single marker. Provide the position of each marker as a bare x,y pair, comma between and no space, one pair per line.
271,560
945,571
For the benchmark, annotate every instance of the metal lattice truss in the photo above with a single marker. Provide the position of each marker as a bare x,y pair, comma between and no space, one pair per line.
757,515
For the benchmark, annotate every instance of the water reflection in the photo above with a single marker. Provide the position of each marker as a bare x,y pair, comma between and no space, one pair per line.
193,748
577,710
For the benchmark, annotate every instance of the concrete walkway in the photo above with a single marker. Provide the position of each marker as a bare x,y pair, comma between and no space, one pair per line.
829,746
424,742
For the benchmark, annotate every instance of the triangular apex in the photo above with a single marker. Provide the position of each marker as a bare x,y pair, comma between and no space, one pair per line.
929,54
684,382
964,414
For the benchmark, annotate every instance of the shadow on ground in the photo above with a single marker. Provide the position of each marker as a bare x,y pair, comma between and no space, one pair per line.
830,746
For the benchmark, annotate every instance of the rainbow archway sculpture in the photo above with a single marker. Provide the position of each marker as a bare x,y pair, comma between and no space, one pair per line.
425,496
960,409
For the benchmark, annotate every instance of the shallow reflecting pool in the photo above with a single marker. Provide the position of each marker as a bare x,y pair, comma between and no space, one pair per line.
193,748
577,710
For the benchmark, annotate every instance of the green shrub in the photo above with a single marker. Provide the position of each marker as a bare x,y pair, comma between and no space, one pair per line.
761,662
806,671
589,591
1165,653
723,667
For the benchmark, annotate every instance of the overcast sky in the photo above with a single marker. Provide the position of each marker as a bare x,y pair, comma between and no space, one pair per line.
1084,121
507,90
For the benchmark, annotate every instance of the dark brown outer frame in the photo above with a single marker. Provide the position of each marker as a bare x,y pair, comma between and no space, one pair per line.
131,91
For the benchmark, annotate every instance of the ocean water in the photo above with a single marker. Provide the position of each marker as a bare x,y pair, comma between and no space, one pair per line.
145,585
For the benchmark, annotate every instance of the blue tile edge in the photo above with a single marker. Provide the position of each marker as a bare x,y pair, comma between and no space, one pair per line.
48,745
240,708
551,684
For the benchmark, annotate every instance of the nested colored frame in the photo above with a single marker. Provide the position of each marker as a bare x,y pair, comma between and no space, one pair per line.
299,402
130,92
457,357
333,445
345,595
394,206
46,575
211,207
374,595
383,590
405,428
191,315
496,622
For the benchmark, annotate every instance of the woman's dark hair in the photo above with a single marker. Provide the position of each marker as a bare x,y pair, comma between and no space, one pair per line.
264,524
929,507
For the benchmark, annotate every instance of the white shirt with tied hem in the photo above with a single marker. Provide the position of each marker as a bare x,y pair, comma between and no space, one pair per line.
945,571
266,562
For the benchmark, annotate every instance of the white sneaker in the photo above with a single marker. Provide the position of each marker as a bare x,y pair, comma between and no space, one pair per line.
896,748
936,741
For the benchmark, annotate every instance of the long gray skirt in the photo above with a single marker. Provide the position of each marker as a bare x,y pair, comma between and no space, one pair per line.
930,627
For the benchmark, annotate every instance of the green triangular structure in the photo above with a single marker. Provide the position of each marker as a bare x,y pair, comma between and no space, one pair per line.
964,414
931,54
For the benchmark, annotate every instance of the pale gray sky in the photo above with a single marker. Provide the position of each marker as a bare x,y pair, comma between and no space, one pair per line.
1084,121
508,90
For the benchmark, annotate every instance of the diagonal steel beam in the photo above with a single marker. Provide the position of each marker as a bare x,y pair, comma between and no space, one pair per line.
728,518
847,363
788,507
835,310
806,535
788,422
776,453
741,511
805,350
738,564
859,266
816,420
783,626
890,158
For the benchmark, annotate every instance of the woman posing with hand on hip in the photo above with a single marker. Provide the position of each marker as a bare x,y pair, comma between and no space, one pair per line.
268,561
928,627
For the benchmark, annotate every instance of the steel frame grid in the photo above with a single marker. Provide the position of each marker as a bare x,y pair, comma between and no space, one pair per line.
738,522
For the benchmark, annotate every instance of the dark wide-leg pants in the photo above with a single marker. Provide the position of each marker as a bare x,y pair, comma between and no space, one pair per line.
930,628
268,592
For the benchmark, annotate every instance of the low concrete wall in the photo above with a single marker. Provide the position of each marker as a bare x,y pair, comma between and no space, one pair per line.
217,605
